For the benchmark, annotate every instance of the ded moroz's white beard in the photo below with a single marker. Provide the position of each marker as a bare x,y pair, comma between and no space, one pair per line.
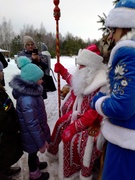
81,79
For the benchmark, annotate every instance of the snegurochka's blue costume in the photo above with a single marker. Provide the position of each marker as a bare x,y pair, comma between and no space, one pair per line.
118,106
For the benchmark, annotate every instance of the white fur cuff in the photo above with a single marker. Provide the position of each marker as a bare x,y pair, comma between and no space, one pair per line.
117,135
98,105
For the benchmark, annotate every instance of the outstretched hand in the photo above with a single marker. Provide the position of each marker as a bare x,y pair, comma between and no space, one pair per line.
43,149
58,68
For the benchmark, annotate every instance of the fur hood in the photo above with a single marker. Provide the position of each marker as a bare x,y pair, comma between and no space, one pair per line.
22,87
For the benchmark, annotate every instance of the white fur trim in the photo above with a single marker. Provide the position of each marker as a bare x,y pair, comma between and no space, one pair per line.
88,151
130,35
51,157
99,80
98,105
74,115
60,173
122,43
89,58
117,135
46,53
85,178
121,18
76,107
100,141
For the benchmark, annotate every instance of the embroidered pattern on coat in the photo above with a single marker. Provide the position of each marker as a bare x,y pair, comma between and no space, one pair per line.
120,78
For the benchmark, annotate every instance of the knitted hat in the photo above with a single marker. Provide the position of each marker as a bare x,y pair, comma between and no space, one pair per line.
1,66
89,56
44,47
122,16
29,71
27,39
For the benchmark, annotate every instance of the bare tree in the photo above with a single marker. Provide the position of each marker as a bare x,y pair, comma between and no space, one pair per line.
6,34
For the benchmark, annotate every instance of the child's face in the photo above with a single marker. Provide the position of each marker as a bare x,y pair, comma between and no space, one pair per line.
40,81
1,75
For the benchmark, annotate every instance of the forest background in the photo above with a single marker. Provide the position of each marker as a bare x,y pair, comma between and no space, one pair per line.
69,44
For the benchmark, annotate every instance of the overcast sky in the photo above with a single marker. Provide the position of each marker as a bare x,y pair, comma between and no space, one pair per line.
79,17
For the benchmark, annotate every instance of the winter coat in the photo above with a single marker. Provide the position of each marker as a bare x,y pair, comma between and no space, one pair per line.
78,155
118,108
32,114
10,142
42,63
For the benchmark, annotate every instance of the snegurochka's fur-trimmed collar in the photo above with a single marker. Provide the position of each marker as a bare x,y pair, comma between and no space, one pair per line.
127,40
129,36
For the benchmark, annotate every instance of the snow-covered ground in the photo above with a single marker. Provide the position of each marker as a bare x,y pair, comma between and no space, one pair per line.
51,104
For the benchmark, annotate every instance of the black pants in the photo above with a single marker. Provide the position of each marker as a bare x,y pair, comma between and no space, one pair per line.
33,162
44,95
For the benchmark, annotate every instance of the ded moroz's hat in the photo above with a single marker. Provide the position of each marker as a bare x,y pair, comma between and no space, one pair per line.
89,56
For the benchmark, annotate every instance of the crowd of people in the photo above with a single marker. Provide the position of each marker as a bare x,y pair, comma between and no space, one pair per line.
94,137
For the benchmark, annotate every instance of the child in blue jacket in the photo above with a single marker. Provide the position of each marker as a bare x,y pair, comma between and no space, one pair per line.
35,132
